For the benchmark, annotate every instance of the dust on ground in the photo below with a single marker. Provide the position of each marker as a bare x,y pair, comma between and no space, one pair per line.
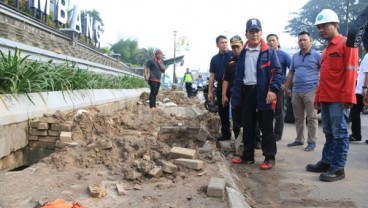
122,149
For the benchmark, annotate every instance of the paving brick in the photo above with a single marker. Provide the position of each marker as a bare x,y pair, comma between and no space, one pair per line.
203,134
97,190
155,172
216,187
55,127
53,133
36,132
34,123
120,189
42,126
32,138
189,163
179,152
65,136
49,120
47,139
59,144
167,167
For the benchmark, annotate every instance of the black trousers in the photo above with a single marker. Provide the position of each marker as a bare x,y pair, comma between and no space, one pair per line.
250,118
154,86
355,117
236,116
188,88
223,113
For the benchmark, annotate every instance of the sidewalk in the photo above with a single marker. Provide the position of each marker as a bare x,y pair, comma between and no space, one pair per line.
290,185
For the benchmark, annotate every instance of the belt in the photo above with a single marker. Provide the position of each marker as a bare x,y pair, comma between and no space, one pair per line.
247,87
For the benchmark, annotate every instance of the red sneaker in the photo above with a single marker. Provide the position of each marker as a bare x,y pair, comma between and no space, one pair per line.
236,160
267,165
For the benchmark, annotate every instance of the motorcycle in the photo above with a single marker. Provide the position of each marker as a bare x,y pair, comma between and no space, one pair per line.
210,106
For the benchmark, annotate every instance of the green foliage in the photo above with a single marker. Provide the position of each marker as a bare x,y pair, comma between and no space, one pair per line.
20,75
95,15
305,18
128,49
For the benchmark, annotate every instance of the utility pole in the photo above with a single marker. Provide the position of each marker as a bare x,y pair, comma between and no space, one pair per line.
174,74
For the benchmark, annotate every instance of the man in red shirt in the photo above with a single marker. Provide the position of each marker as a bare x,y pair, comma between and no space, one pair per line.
335,96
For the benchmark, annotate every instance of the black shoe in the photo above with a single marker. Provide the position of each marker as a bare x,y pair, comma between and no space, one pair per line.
223,138
258,145
319,167
332,175
295,143
354,139
278,139
366,141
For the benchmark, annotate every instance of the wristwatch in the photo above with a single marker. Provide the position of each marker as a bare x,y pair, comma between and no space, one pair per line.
364,87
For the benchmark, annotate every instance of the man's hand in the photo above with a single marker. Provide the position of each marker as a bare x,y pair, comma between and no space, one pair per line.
282,87
317,106
271,96
225,101
146,77
210,96
345,105
288,92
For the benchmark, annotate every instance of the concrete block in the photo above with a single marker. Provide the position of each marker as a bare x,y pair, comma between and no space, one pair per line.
49,120
34,123
179,152
36,132
236,198
167,167
216,187
65,136
53,133
97,190
60,144
155,172
55,127
120,189
42,126
47,139
203,134
32,138
189,163
132,175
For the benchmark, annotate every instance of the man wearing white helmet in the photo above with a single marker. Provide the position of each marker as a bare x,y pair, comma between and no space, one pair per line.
335,96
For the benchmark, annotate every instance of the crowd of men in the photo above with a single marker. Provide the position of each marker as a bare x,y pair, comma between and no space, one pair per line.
252,80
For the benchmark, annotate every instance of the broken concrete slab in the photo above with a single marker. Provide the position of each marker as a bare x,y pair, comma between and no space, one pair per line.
216,187
189,163
180,152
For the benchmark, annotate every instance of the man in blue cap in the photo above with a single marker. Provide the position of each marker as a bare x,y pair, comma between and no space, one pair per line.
258,77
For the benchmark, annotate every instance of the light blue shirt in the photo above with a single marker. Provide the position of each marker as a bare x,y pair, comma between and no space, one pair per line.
250,63
306,71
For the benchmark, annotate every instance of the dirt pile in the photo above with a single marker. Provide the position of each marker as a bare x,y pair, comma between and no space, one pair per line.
120,142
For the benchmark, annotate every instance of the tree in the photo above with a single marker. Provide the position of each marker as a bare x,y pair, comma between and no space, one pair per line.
128,49
95,15
347,10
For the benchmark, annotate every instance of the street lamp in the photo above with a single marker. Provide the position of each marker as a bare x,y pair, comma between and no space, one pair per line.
174,74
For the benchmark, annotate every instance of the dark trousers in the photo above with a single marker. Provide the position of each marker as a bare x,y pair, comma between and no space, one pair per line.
279,114
250,118
236,116
224,113
154,86
188,87
355,117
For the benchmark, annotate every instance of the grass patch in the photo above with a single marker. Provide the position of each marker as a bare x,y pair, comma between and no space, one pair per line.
21,75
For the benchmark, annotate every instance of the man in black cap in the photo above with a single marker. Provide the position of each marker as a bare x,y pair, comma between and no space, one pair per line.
236,46
258,77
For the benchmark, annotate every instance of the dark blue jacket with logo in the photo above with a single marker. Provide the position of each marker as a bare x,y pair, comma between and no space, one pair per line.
269,77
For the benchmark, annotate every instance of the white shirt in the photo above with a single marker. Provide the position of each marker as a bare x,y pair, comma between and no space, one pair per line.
363,68
250,65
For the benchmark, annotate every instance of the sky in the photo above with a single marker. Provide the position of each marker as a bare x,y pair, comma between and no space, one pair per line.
152,22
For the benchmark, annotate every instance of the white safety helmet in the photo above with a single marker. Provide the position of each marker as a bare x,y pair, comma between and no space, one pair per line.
325,16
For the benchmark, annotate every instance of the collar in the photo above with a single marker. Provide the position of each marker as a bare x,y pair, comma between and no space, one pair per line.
309,52
337,39
263,45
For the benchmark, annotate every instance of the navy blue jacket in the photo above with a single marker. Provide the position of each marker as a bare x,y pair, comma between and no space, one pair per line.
269,77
